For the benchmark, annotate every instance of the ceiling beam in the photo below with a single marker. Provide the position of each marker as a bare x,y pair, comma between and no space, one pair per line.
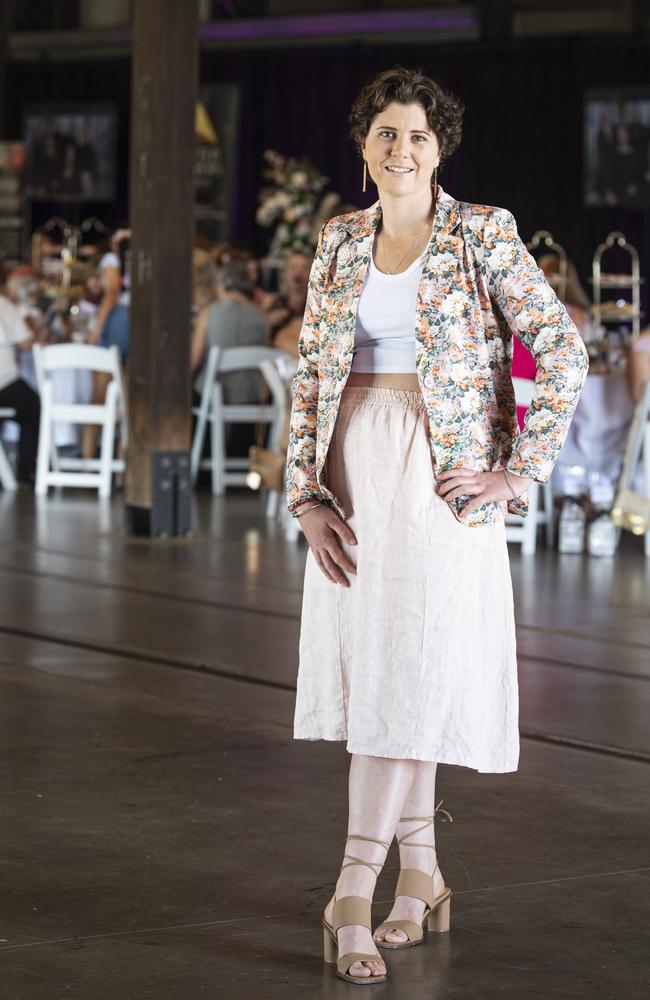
436,24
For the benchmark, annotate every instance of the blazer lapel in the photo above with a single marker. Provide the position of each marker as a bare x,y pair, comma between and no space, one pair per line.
442,269
449,337
444,256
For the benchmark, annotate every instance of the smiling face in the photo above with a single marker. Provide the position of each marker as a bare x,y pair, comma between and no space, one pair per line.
401,150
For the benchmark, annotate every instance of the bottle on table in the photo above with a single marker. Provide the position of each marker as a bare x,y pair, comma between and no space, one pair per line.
573,515
602,533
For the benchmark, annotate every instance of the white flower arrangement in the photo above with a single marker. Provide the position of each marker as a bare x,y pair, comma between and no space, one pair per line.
291,201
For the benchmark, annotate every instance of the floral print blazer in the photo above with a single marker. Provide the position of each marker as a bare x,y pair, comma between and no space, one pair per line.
479,286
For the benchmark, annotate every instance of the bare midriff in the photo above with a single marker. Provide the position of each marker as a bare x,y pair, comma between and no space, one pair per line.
385,380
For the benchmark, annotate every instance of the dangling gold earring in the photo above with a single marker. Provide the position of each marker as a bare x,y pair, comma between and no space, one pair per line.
365,174
435,184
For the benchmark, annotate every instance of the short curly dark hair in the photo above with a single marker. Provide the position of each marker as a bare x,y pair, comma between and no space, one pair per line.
443,109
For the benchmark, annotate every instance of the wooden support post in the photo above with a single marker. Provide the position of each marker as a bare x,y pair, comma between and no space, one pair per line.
163,95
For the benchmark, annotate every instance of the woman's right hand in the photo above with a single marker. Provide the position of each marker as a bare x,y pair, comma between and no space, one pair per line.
325,530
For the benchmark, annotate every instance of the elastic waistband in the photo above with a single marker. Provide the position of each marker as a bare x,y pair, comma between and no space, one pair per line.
372,395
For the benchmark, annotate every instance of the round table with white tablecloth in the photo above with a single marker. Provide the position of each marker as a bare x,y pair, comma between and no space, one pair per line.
598,433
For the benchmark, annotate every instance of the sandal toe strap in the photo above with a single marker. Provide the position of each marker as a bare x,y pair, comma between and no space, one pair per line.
417,884
351,910
345,962
410,928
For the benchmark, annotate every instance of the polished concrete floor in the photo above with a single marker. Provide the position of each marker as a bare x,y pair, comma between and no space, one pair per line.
163,837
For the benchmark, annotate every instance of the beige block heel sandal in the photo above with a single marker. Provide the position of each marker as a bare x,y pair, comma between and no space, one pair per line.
419,885
352,910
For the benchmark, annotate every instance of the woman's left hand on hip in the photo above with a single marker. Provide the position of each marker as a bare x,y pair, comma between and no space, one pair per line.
482,487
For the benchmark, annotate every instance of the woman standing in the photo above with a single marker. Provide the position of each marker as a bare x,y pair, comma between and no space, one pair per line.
112,322
111,326
404,454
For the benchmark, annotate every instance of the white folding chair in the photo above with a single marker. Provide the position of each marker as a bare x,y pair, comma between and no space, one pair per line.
524,529
7,477
212,409
55,470
287,365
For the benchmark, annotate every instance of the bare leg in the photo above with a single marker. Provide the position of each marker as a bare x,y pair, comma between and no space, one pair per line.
377,790
420,801
90,438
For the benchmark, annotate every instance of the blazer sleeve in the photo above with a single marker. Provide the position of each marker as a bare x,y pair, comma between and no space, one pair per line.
302,482
536,316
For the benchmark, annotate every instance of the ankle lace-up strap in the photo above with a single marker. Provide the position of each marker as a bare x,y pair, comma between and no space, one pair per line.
428,820
360,861
356,909
450,818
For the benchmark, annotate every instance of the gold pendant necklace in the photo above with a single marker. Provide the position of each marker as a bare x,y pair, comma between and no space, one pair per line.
403,257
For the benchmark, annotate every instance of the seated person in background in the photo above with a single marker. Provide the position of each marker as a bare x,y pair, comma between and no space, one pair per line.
638,364
202,250
286,339
285,310
255,270
204,282
225,252
232,321
574,297
87,308
22,289
15,393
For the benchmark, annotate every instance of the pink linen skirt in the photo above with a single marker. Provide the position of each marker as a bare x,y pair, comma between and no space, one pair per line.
416,659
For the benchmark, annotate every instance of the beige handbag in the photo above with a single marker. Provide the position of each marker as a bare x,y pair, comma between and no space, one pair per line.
631,510
266,469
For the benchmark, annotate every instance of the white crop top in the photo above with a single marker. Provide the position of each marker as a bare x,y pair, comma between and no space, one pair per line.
384,338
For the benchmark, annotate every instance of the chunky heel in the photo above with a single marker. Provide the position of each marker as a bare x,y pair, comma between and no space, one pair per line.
438,920
330,949
350,910
419,885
